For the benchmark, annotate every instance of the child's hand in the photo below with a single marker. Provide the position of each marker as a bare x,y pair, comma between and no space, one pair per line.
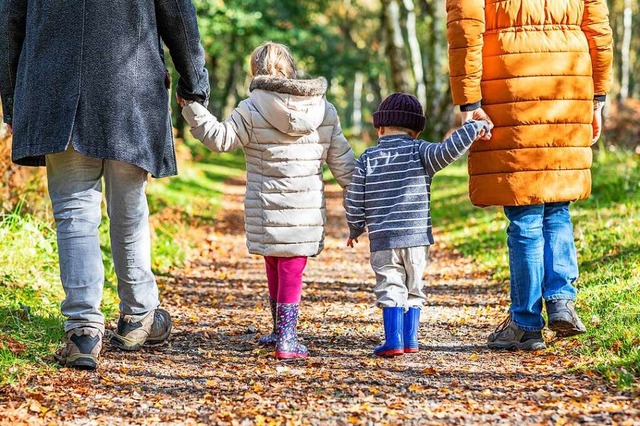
479,115
350,242
485,134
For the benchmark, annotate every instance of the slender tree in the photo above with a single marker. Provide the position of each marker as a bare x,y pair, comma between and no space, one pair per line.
395,48
416,54
625,52
358,85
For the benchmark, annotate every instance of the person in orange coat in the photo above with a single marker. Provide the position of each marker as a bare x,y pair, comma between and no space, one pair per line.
540,70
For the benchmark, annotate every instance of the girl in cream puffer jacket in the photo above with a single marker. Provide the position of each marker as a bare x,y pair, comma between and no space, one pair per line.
287,130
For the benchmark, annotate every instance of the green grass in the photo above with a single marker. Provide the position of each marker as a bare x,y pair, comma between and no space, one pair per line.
608,241
28,300
607,229
31,327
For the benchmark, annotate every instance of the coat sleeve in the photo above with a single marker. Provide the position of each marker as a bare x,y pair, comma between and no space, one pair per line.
216,135
178,28
354,201
595,25
465,30
340,158
13,22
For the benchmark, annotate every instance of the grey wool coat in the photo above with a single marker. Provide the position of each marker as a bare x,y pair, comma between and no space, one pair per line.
287,130
92,72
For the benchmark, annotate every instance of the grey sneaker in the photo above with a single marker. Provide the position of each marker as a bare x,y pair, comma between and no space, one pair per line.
509,336
153,329
563,318
82,349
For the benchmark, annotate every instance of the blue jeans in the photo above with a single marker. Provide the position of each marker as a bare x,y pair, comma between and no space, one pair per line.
75,188
542,260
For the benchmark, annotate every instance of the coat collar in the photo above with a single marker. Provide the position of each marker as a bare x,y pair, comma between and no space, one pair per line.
311,87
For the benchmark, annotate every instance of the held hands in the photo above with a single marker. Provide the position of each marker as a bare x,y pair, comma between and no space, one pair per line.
484,135
479,114
350,242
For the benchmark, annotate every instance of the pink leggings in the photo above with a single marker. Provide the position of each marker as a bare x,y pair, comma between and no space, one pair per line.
284,275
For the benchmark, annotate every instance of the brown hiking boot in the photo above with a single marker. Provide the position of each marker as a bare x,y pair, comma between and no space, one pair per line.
509,336
563,318
153,329
82,349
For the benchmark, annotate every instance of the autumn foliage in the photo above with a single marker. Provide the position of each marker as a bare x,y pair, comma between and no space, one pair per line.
17,183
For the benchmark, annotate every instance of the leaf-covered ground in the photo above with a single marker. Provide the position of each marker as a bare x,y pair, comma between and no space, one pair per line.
212,371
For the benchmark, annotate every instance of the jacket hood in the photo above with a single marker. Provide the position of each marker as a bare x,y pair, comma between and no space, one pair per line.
294,107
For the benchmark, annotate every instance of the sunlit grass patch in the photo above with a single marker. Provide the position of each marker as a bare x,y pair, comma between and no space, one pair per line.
607,232
30,323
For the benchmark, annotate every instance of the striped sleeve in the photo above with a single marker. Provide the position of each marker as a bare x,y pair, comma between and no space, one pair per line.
437,156
354,201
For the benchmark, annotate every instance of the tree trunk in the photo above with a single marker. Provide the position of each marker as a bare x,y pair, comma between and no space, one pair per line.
357,103
215,105
178,120
439,50
376,90
625,63
230,89
439,107
416,55
395,45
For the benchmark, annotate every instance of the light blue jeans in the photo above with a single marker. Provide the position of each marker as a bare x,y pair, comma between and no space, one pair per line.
75,188
542,260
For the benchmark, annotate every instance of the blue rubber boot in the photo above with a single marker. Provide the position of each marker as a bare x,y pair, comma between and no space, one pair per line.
287,345
393,319
411,326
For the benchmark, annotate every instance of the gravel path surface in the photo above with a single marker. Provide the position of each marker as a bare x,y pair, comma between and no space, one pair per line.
212,371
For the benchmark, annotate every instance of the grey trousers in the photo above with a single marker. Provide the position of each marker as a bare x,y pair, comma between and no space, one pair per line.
75,188
399,276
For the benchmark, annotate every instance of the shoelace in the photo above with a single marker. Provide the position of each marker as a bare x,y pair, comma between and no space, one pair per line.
503,325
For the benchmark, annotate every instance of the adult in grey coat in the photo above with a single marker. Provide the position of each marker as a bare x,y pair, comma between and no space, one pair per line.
84,90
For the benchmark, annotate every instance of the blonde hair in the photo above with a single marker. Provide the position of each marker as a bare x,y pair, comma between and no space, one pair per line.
272,59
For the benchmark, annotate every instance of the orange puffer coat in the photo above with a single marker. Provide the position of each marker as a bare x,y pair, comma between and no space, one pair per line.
535,65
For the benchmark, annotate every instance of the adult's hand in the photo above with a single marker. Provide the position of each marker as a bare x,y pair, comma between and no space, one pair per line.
597,121
478,114
180,100
10,128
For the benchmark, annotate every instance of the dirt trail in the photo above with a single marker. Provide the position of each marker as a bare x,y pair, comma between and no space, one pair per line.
212,372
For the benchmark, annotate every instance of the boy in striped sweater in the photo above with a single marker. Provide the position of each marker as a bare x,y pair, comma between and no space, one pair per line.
390,195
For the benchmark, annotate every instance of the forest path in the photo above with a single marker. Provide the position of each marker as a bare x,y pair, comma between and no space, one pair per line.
211,371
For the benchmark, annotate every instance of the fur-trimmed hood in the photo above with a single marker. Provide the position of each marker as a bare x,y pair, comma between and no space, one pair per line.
294,107
311,87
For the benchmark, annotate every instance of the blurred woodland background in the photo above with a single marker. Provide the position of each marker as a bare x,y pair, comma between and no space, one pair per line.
366,49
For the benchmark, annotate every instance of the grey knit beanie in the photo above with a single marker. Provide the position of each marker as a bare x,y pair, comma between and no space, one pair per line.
400,110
